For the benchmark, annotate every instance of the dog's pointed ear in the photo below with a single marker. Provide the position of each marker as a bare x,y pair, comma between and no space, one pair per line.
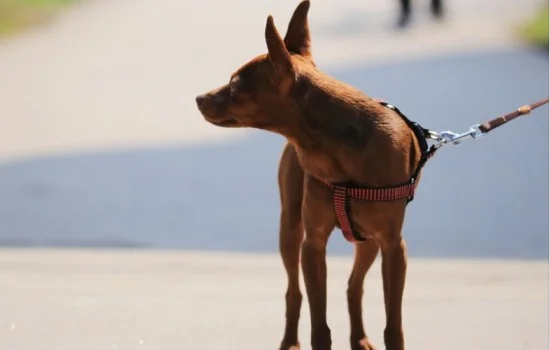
297,38
277,51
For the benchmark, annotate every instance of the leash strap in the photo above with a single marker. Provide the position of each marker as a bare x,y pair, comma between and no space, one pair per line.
523,110
476,131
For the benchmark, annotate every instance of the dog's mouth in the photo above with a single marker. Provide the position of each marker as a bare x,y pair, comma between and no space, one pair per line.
224,122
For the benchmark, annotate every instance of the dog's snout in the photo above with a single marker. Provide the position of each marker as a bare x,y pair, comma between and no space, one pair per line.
200,101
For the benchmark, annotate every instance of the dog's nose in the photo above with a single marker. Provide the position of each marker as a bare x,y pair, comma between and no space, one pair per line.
200,101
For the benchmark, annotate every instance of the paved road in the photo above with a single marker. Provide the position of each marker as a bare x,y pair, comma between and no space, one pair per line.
482,199
117,300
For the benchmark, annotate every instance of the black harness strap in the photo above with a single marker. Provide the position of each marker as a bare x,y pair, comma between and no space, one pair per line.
422,135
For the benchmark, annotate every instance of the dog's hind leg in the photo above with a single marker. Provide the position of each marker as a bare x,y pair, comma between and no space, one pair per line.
394,270
365,254
291,234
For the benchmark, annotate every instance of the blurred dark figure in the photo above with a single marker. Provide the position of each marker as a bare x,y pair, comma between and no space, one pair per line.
405,15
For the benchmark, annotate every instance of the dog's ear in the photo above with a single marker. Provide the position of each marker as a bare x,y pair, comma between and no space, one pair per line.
277,51
297,39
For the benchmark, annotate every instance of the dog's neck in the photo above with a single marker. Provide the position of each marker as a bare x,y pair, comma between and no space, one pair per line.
336,112
340,133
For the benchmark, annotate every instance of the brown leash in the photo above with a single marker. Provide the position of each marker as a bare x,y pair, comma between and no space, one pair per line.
523,110
478,130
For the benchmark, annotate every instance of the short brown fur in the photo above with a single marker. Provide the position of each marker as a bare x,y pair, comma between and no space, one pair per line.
335,133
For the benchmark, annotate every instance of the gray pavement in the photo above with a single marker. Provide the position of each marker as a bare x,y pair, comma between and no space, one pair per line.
87,300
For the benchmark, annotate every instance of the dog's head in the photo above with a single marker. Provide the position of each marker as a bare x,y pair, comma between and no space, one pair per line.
257,93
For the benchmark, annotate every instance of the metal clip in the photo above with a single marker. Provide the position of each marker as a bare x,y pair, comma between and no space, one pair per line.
447,137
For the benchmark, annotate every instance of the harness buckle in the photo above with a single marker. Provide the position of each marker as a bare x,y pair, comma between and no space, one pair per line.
447,137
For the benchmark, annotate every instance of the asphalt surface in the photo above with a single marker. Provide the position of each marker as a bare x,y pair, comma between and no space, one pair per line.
487,198
115,300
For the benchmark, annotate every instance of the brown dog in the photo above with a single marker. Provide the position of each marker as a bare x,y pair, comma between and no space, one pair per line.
335,134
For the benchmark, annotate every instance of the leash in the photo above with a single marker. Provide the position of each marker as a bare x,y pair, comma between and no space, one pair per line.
478,130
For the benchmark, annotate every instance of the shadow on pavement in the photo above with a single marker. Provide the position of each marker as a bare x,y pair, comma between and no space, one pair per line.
487,198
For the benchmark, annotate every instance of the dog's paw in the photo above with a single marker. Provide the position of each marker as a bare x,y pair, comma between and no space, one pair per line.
290,347
365,345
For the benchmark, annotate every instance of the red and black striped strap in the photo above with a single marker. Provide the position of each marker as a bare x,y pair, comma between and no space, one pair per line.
380,194
341,207
342,195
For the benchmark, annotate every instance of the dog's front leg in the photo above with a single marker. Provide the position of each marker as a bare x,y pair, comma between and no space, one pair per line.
319,221
291,235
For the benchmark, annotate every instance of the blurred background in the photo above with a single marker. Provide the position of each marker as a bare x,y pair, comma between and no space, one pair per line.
101,145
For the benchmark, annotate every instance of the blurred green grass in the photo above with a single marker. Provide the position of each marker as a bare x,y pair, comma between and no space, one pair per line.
535,31
18,14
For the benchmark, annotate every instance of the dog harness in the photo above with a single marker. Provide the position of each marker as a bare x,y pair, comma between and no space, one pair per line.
342,192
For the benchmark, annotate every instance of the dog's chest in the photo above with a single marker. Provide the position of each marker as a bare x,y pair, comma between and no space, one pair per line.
320,165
